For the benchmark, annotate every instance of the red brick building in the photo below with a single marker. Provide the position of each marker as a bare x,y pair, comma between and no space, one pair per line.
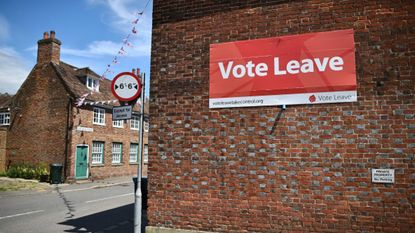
221,170
4,123
47,127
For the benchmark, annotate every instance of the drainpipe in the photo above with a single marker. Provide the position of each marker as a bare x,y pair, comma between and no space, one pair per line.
65,169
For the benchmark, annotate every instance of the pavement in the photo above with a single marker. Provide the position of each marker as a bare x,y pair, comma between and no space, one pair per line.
88,206
93,184
38,187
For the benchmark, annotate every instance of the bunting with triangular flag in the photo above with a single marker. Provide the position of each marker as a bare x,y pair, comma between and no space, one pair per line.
121,52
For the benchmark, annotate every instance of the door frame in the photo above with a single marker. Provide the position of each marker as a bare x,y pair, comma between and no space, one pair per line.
87,161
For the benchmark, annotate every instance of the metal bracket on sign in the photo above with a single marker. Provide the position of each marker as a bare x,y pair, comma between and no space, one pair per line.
282,108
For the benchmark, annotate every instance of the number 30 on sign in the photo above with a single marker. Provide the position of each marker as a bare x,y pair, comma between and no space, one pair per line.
126,86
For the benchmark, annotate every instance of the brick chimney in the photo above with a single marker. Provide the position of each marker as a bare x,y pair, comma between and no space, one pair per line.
49,49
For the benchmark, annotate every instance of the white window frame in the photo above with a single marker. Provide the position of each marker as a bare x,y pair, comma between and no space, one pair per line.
133,152
118,123
146,126
97,152
5,118
145,154
98,113
135,122
92,84
116,152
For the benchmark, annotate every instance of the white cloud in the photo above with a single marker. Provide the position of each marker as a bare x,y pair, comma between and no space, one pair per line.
108,48
14,70
98,54
95,49
119,7
4,28
122,13
97,65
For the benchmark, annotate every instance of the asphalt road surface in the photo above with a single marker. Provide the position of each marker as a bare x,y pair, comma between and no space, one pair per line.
69,209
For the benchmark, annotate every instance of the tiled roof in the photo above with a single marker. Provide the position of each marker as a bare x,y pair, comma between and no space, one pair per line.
5,100
72,78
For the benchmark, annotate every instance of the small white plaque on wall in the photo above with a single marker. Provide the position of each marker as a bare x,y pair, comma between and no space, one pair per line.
84,129
383,176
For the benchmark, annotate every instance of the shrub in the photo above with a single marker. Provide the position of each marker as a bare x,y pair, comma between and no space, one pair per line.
26,171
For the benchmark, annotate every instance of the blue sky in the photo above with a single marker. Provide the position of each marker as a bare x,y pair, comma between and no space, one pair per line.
91,32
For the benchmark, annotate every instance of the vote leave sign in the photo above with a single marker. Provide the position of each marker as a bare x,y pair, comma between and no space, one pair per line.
310,68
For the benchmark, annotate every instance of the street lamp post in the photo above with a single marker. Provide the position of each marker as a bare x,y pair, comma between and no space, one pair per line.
138,194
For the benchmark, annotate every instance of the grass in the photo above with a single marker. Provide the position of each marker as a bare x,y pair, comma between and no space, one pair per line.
7,184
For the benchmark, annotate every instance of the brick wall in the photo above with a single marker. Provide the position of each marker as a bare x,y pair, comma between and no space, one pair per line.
38,129
3,138
221,170
107,134
38,113
44,121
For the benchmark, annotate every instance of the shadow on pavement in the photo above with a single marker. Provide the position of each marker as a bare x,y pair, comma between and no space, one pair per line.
120,219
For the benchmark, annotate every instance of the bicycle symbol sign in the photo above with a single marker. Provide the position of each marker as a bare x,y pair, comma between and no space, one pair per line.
126,86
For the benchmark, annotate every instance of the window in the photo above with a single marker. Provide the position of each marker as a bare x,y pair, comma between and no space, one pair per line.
116,152
97,152
5,118
118,123
92,84
146,126
145,154
133,152
135,123
99,116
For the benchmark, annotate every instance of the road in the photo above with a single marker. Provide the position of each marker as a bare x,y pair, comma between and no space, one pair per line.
69,209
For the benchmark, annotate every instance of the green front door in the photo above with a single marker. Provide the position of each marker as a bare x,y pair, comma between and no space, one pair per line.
81,163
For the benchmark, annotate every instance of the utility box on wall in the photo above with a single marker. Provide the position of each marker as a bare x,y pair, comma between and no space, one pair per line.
223,170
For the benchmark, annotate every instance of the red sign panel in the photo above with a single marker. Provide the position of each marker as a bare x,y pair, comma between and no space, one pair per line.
301,69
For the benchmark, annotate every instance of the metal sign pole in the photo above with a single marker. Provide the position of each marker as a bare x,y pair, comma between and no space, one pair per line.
138,194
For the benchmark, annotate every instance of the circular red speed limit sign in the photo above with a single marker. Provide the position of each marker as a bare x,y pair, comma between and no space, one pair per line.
126,86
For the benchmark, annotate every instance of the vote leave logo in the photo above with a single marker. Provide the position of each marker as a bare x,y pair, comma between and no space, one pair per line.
312,99
283,70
